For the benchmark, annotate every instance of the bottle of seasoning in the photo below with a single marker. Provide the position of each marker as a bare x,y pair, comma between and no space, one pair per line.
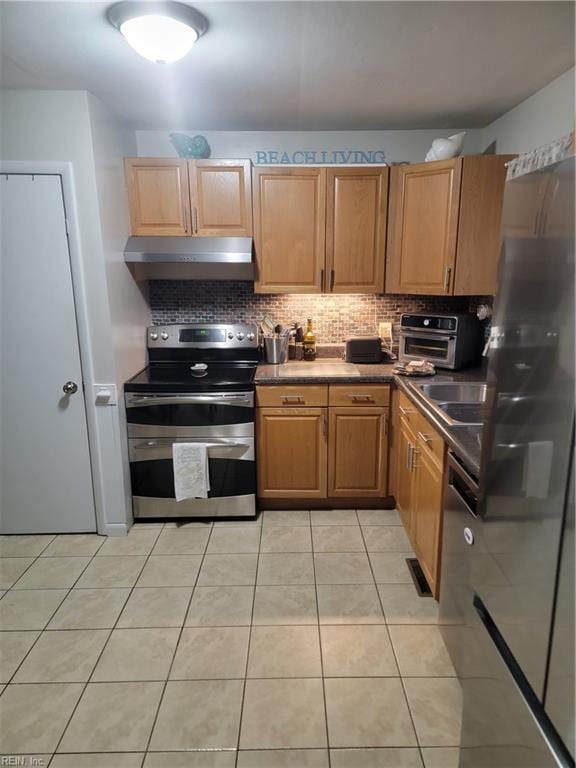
292,343
299,340
309,342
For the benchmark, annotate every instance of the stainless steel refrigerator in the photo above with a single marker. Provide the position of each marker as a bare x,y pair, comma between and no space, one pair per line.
507,583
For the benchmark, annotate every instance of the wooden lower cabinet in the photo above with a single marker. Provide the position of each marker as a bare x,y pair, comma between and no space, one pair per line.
418,466
292,452
393,427
357,452
404,492
427,516
307,450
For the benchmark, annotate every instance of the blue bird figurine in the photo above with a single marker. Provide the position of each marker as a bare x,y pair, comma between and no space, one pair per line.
187,146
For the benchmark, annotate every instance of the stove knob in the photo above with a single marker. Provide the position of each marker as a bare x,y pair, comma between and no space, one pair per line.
250,337
240,336
164,336
230,335
154,336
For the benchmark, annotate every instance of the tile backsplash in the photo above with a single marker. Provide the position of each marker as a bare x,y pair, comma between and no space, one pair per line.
336,316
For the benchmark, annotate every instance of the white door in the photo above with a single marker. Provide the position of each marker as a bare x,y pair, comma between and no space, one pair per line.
45,480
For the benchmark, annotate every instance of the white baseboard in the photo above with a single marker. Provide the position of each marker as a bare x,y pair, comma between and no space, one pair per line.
114,529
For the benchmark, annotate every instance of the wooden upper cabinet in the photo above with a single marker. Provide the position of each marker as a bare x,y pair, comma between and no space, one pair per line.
289,229
356,207
221,197
159,195
480,224
357,452
444,229
423,227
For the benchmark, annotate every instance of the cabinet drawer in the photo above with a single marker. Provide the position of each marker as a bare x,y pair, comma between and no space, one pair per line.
408,411
364,395
429,440
427,437
291,396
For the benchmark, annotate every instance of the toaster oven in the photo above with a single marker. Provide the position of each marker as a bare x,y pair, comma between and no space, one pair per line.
447,341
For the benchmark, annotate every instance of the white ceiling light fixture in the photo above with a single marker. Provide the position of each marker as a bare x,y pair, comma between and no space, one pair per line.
161,32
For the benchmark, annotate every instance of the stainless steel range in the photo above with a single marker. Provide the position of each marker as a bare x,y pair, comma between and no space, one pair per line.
198,387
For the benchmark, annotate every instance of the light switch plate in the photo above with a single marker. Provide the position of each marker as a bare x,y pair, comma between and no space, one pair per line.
385,330
105,394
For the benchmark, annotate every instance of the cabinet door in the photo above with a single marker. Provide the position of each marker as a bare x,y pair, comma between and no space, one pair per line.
480,224
221,196
159,195
292,453
289,229
427,516
422,227
356,208
405,476
393,430
357,452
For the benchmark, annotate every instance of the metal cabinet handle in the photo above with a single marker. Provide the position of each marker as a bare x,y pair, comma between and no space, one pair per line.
362,398
185,219
447,275
325,426
405,411
332,275
425,438
322,279
408,456
386,424
293,399
413,464
70,388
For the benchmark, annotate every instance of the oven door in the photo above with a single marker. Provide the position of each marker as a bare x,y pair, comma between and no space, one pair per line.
436,347
222,414
232,467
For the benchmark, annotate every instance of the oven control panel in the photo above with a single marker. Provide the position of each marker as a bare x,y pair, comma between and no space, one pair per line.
429,322
203,336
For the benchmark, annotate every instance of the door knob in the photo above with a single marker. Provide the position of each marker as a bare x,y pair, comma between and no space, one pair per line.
70,388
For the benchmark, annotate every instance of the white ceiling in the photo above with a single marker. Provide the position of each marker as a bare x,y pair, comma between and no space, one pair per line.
301,65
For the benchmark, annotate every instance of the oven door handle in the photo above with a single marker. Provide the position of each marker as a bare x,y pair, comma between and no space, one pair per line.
140,401
153,444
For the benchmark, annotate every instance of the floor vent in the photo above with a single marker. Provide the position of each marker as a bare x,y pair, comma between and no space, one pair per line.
418,577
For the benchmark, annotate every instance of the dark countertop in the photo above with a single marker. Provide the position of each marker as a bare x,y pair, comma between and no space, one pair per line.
464,440
324,371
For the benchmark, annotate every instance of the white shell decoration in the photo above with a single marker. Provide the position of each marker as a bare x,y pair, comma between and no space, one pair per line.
444,149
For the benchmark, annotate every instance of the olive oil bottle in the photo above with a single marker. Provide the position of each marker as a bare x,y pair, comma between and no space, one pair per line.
309,342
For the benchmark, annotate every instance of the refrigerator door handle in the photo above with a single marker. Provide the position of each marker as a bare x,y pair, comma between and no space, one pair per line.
549,733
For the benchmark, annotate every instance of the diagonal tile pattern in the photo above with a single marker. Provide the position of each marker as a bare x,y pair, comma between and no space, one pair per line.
293,641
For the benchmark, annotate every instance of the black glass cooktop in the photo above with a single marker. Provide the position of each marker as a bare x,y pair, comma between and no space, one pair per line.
188,377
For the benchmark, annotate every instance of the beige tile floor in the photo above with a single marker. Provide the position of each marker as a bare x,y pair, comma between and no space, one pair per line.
293,641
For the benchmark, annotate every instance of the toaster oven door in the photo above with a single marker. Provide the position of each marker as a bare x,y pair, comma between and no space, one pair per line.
438,348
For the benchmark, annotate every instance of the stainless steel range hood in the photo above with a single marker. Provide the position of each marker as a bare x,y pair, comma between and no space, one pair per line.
190,258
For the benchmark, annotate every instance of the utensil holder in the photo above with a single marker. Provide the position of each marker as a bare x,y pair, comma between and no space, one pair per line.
276,349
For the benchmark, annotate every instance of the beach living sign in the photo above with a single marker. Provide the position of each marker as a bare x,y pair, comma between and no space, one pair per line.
321,157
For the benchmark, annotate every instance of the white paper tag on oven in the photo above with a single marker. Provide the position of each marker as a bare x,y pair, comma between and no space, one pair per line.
191,471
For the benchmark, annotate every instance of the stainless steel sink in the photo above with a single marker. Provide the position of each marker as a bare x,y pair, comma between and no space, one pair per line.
463,413
470,392
455,403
